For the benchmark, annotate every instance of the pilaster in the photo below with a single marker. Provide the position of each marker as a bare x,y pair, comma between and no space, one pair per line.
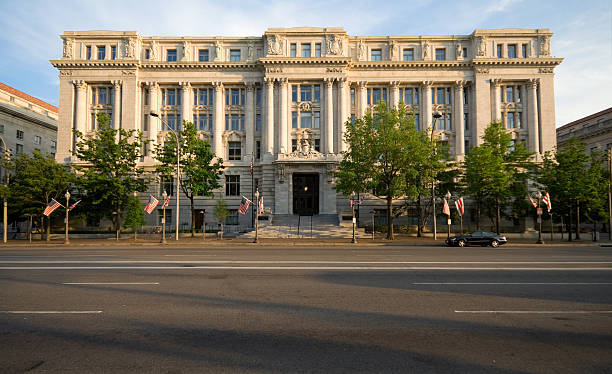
268,140
329,116
533,126
395,99
426,107
343,110
218,119
458,121
496,96
81,106
363,98
187,107
284,131
116,124
250,117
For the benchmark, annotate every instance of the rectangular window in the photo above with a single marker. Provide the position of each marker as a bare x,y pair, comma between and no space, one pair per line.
293,50
305,50
37,140
147,54
499,51
234,151
171,96
102,98
258,149
19,134
524,50
113,52
305,120
510,120
317,93
258,122
89,52
53,144
517,120
409,54
440,94
509,94
293,145
466,121
511,50
19,148
316,116
232,185
258,96
466,144
171,55
440,54
376,95
294,90
305,93
416,120
203,55
377,55
235,55
464,52
232,217
203,97
352,96
294,120
171,121
317,49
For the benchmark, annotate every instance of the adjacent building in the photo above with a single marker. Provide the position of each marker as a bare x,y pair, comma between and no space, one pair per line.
282,99
595,130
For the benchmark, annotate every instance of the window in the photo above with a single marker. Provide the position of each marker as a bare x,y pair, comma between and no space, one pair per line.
444,122
170,98
524,50
306,120
234,151
102,97
466,145
19,148
511,50
232,185
148,54
294,90
305,50
352,96
89,52
234,55
12,99
517,120
161,216
509,94
203,96
409,54
203,121
203,55
376,94
440,95
377,55
305,93
411,96
234,122
294,120
258,122
19,134
317,93
499,51
258,149
416,120
317,49
293,145
232,217
258,96
113,52
510,120
464,52
171,121
466,121
440,54
37,140
293,50
1,129
234,96
171,56
316,120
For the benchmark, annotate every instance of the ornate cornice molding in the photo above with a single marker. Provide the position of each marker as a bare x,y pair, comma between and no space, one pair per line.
409,65
87,64
538,61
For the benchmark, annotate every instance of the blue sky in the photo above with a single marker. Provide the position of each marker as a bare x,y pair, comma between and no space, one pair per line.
583,32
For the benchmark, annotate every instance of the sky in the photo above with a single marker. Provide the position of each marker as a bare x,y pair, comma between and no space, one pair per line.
582,32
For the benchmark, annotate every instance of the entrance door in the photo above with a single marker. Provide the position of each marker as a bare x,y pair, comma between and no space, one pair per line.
305,194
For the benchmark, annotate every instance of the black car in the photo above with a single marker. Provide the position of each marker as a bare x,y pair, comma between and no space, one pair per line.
482,238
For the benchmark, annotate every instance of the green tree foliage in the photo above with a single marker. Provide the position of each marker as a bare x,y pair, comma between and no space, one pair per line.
221,213
496,172
110,174
383,148
200,169
134,215
37,179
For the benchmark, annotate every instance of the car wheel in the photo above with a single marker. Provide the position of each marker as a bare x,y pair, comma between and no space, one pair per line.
494,243
461,243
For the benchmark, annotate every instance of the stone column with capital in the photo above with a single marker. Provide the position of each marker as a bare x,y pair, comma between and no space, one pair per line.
250,120
395,99
343,102
532,113
458,122
218,120
426,105
187,105
496,85
154,123
269,132
329,116
283,123
363,98
80,122
116,124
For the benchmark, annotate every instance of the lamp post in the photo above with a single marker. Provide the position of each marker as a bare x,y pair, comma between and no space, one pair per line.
353,210
448,222
538,195
436,115
7,157
178,170
67,196
256,208
164,196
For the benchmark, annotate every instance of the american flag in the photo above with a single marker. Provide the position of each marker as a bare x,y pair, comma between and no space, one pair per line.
73,205
166,202
51,207
546,200
261,206
151,204
533,202
446,208
244,205
459,205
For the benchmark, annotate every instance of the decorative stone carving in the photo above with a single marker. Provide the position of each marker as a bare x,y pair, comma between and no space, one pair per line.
130,48
186,51
533,83
251,52
305,145
65,73
275,45
330,171
128,72
459,51
496,82
80,84
361,51
425,50
482,46
334,45
218,51
544,46
67,50
481,70
154,48
546,70
334,70
280,171
305,106
393,50
274,70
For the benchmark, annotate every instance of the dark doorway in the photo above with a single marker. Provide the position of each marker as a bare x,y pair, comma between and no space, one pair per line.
305,194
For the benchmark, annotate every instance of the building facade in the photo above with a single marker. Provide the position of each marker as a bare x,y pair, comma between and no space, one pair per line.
282,99
595,130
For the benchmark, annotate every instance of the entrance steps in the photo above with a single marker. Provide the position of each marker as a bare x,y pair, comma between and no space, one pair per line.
286,226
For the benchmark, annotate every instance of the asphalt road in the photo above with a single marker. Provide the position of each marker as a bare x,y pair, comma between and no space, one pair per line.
302,310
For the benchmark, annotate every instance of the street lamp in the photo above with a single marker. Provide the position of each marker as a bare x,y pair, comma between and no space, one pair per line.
448,197
256,208
178,169
436,115
164,196
7,156
203,211
353,210
538,195
67,196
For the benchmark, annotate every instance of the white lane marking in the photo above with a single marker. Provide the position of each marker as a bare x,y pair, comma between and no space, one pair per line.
535,311
287,268
50,311
112,283
513,283
314,262
190,255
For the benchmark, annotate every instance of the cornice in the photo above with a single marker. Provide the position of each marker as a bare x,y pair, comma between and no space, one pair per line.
120,64
34,118
410,64
305,60
200,65
540,61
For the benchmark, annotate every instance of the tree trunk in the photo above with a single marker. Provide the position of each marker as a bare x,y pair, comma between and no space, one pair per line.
118,224
389,218
192,217
48,236
419,217
569,224
497,216
578,220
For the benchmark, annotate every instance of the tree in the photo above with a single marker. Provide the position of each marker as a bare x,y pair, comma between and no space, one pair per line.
200,170
134,215
221,213
382,147
35,181
496,169
110,174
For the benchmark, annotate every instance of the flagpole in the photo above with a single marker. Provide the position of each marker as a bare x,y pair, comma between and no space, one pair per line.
66,239
252,188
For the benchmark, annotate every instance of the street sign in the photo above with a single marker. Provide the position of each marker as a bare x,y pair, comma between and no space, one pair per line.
539,211
539,220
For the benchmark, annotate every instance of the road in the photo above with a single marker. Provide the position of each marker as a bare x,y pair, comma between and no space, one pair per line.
258,309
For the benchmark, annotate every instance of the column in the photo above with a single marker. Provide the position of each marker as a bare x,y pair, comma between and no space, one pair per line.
283,115
219,120
186,108
343,95
458,122
363,98
329,116
154,123
532,114
80,116
496,84
249,121
269,138
395,99
116,104
426,111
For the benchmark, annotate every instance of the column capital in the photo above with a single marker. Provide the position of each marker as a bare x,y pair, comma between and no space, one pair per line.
329,81
80,84
394,84
185,85
362,84
250,86
218,86
426,84
151,84
269,81
495,82
533,83
460,84
117,83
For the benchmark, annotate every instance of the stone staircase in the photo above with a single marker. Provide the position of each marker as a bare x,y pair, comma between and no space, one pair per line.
293,226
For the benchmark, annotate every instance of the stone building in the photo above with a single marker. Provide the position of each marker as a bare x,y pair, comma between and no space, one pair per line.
283,97
595,130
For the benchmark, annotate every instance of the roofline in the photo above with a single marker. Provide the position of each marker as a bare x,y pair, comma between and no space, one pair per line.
25,96
584,119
